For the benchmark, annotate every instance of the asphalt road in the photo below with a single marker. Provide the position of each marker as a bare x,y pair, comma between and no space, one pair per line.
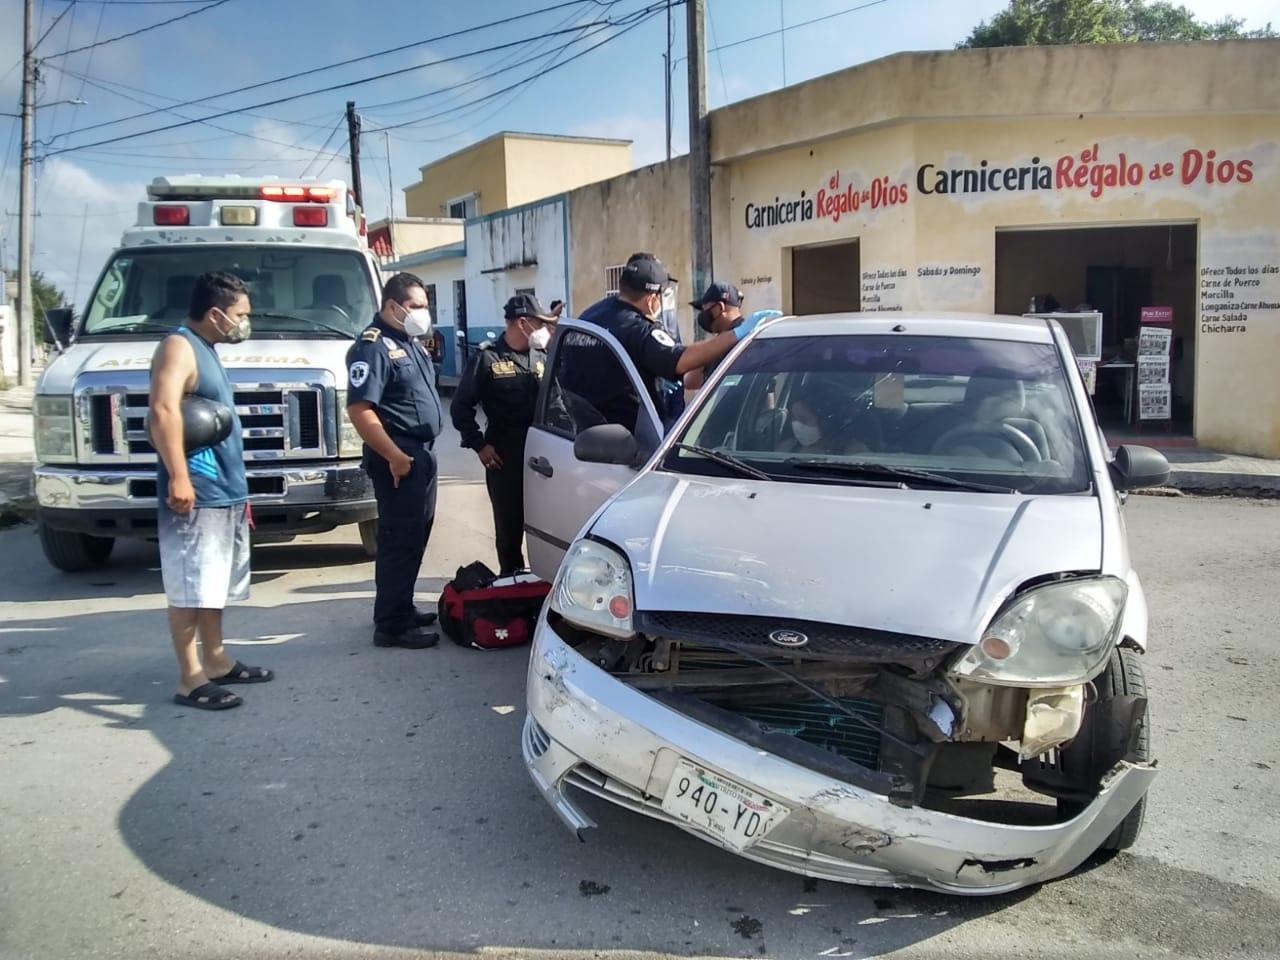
372,803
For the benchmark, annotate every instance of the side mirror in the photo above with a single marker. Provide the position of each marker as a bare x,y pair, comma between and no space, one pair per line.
58,324
606,443
1134,467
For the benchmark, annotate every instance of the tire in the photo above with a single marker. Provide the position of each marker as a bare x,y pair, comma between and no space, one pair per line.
369,536
74,552
1106,732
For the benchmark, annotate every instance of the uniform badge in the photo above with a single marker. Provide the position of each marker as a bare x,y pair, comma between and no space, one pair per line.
663,337
370,335
396,353
538,368
503,368
358,373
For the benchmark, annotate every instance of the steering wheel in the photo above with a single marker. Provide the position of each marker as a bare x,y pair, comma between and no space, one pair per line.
1022,444
337,309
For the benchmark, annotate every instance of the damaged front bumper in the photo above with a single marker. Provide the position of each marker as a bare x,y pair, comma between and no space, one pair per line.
586,729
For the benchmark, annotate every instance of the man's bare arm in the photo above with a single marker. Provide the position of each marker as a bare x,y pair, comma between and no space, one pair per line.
173,375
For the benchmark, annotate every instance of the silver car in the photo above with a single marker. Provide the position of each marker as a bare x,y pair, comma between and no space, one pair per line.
865,612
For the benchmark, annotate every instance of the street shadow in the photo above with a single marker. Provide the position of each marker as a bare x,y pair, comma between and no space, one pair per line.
1193,455
379,796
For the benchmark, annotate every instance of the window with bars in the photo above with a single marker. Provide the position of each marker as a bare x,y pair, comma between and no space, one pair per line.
612,276
462,208
460,303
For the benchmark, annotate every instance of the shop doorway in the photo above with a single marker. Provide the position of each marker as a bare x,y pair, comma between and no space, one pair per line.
826,278
1116,271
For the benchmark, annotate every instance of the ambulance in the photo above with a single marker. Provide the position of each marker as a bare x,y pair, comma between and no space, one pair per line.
300,246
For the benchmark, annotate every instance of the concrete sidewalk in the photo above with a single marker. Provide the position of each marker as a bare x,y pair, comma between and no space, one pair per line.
1194,470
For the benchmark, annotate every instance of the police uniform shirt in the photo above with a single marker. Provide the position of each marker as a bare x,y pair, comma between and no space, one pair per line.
504,382
392,371
652,350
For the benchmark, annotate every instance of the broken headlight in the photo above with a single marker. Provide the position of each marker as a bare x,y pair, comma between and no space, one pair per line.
1050,636
593,589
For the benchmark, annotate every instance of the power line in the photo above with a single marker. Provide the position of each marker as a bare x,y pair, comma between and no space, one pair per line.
641,17
234,133
116,86
803,23
134,33
324,146
56,21
345,63
648,11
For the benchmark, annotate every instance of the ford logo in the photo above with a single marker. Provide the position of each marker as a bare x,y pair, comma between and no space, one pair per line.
788,638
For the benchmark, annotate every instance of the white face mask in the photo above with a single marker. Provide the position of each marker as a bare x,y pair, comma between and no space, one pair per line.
805,434
539,339
417,323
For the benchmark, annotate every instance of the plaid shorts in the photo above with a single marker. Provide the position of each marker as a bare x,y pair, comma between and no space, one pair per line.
204,555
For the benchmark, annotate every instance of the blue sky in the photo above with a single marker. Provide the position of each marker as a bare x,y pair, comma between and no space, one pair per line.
438,100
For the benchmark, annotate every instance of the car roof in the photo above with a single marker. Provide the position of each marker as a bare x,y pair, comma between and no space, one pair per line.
939,323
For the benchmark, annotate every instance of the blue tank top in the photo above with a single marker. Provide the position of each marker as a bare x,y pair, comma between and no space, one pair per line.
217,472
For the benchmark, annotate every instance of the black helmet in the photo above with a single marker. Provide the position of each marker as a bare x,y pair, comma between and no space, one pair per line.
205,422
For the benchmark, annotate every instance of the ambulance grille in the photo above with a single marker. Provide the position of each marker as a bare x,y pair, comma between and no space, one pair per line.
286,422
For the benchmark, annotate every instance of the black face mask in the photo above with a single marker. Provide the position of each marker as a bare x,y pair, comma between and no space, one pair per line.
705,320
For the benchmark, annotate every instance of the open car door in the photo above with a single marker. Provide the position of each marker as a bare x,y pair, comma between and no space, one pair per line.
561,492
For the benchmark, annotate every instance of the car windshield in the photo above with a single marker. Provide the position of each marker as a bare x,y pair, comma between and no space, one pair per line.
919,411
293,293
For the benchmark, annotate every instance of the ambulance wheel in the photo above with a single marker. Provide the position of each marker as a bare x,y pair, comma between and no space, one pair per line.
369,536
74,552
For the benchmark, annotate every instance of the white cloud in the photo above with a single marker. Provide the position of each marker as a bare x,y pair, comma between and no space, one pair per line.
648,135
78,204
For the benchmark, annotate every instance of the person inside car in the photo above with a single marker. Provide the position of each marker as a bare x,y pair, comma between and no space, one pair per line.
817,423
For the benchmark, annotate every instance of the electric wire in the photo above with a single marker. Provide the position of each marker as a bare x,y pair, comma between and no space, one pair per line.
646,12
353,60
141,30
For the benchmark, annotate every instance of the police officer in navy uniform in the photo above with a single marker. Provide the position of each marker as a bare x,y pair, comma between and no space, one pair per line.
393,404
719,309
632,317
503,379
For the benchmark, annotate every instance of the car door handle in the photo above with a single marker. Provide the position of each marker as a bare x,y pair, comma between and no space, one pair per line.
541,465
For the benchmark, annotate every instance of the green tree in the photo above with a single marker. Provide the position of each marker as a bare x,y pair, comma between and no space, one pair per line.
44,295
1042,22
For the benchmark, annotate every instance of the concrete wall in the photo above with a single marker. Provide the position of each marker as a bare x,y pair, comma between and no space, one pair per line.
511,169
540,167
646,209
480,169
1129,80
8,344
516,249
409,237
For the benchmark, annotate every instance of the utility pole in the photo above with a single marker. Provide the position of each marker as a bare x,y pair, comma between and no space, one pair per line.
26,196
699,152
667,67
353,139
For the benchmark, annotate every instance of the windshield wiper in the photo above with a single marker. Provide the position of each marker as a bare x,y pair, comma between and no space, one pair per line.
270,315
740,467
906,476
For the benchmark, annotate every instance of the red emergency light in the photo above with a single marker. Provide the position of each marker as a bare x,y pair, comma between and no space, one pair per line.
298,194
310,216
171,216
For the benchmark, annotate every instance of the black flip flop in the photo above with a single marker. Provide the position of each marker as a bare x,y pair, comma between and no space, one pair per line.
239,673
208,696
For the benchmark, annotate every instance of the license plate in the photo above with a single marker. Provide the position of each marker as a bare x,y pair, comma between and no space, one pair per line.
733,814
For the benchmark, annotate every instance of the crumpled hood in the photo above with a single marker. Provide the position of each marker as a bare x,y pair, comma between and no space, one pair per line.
927,563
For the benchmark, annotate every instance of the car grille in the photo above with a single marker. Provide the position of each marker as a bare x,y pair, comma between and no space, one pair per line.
825,641
278,422
821,724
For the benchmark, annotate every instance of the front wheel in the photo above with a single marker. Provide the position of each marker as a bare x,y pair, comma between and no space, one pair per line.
74,552
1117,727
369,536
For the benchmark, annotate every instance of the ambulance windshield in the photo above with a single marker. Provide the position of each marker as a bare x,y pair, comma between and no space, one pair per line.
294,292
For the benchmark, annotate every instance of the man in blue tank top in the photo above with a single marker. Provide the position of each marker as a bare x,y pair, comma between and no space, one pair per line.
202,494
